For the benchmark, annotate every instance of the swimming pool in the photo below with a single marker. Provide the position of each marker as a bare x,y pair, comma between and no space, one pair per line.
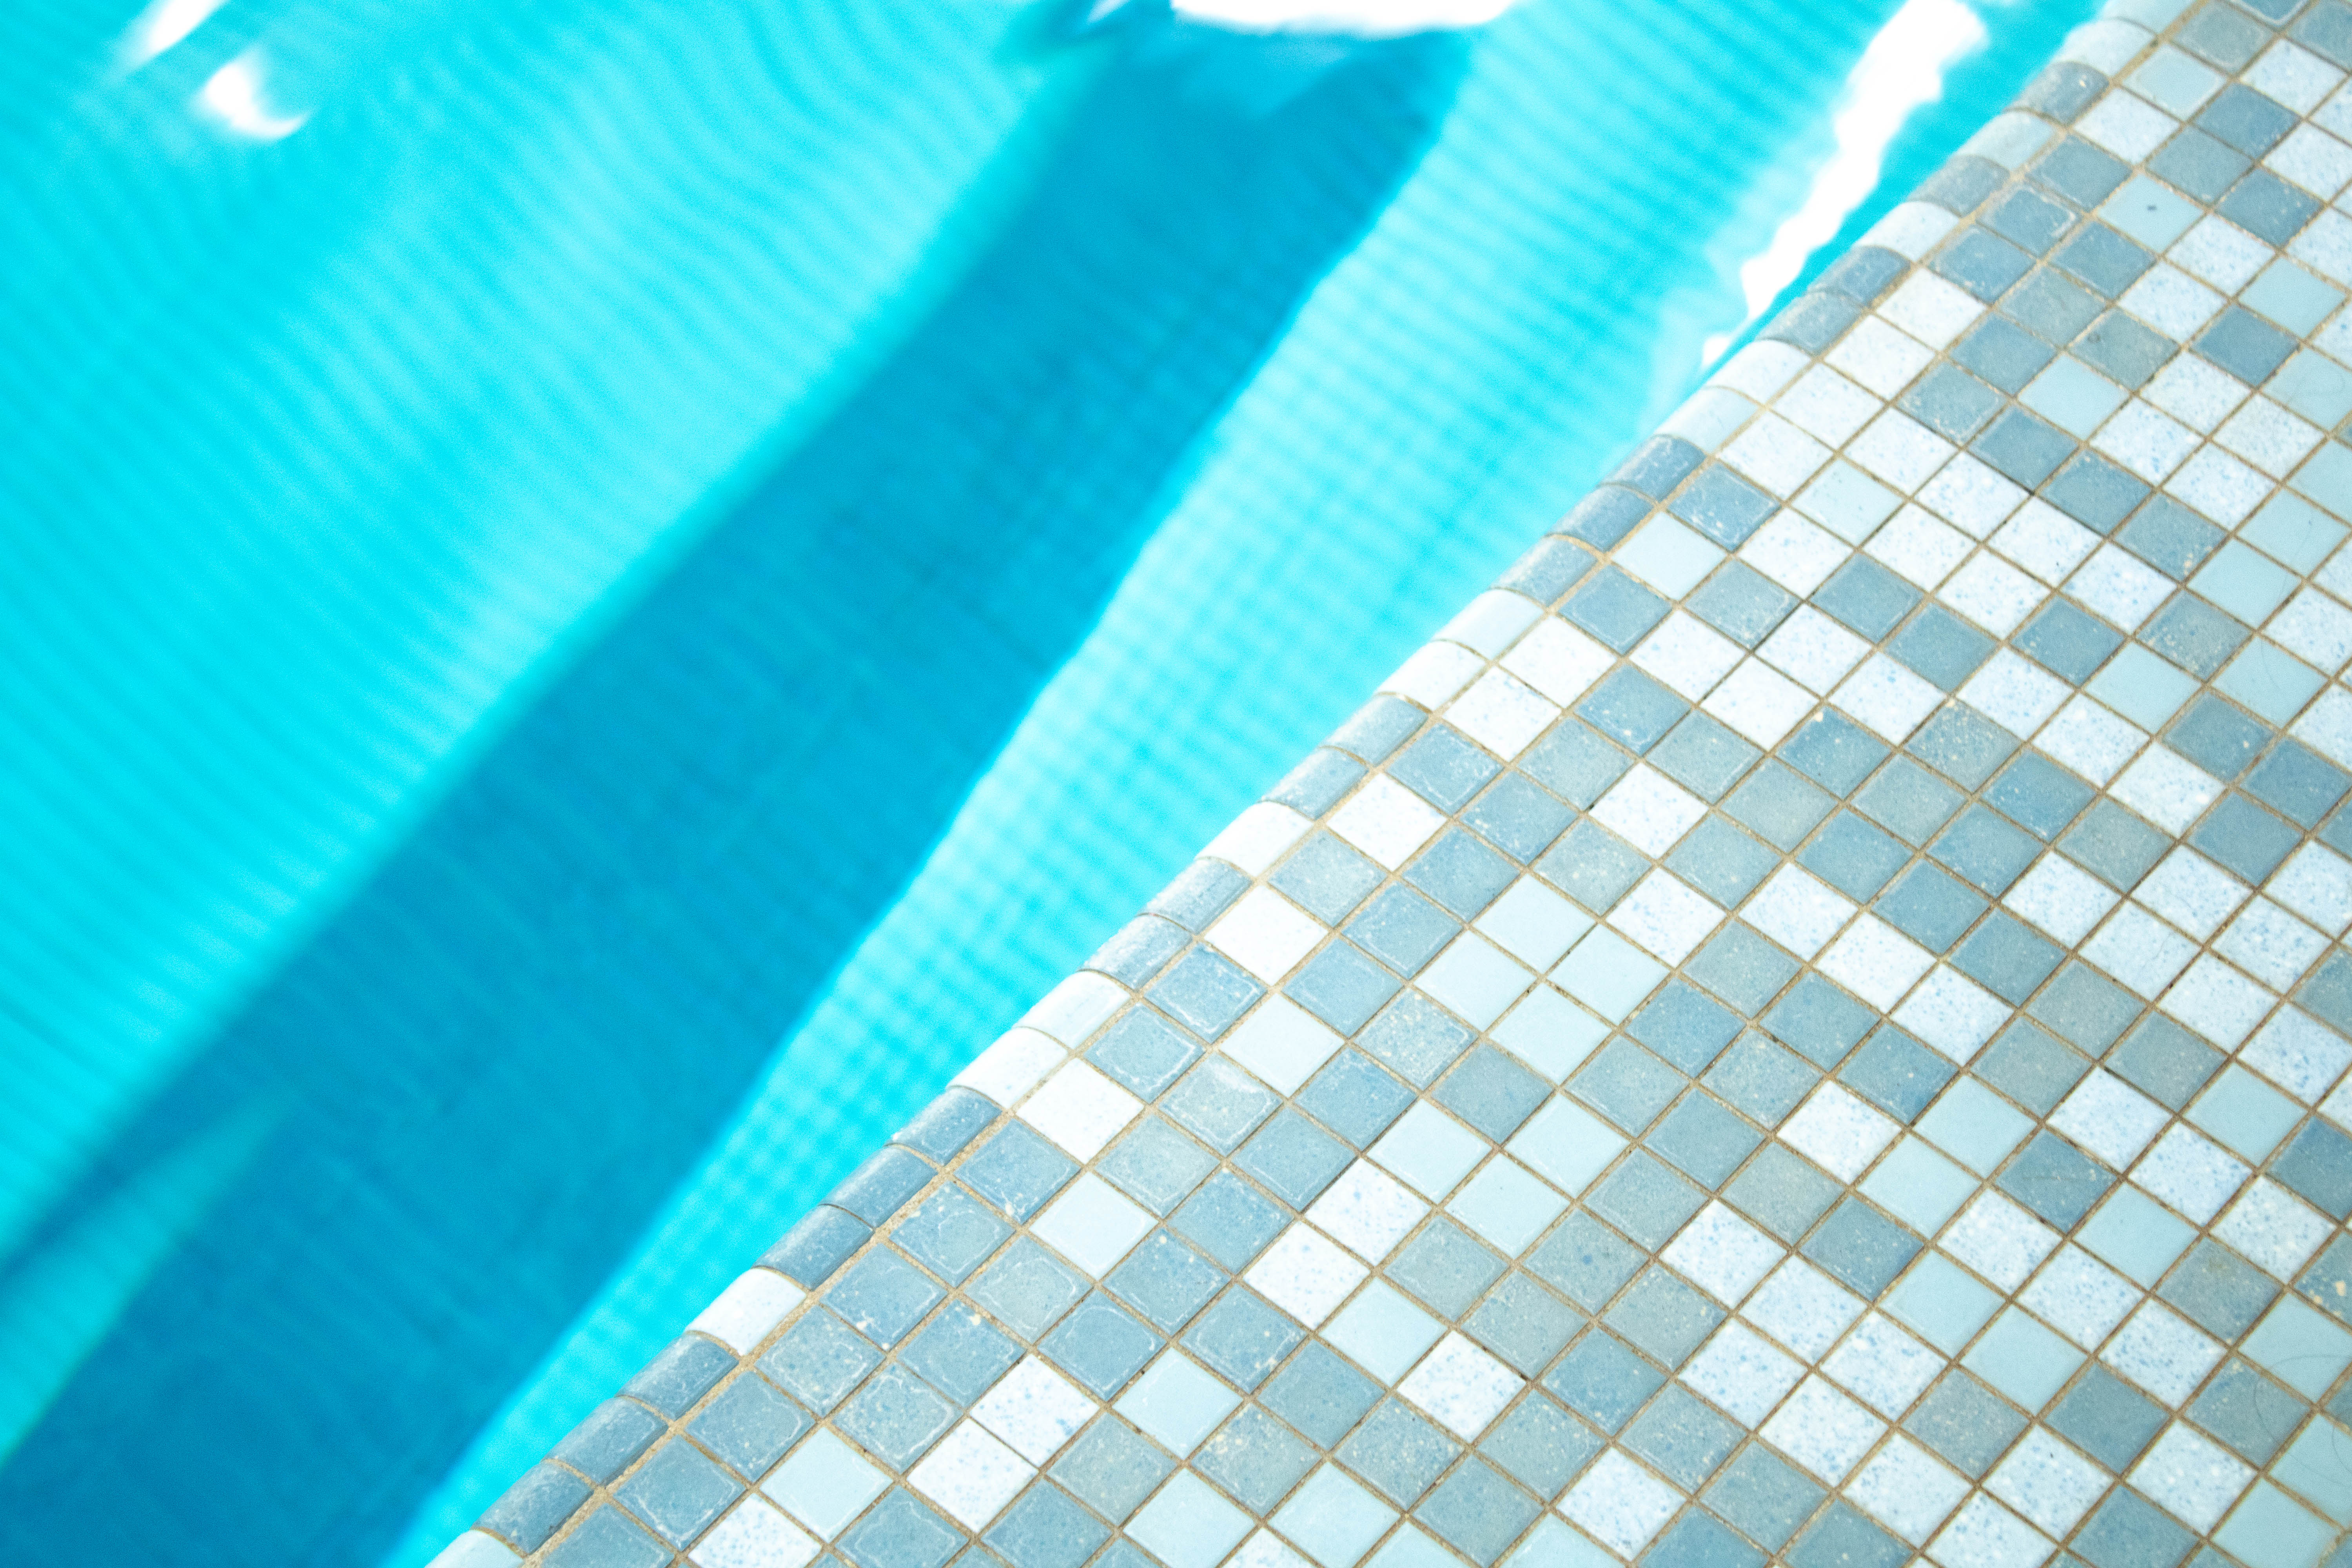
553,553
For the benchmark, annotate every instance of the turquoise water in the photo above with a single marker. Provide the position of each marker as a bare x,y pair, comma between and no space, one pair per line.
638,534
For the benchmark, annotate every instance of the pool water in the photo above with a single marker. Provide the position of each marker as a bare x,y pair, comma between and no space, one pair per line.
598,597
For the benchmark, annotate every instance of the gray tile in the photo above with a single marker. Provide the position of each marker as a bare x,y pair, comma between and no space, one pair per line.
2006,355
1342,986
2081,172
1592,866
1962,745
1660,1314
679,1492
942,1129
1723,506
1550,568
821,1243
688,1368
1931,907
2169,537
2127,352
1608,514
2027,217
2216,737
1574,762
1219,1103
1140,949
2268,206
2244,838
962,1353
877,1189
1811,321
2127,1530
1703,756
1740,602
2245,120
1843,1538
2023,447
1377,729
2316,1163
1313,787
1626,1084
2225,35
1985,850
1614,607
1819,1020
2007,958
1834,752
819,1359
2193,635
2068,641
2086,1007
2252,1414
2244,344
1961,183
1658,466
1853,856
1981,262
2298,783
1199,894
1941,647
1460,873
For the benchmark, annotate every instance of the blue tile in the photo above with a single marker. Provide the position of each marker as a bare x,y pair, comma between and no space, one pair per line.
1113,1467
1460,873
1017,1171
1575,764
2164,1061
1986,850
1721,861
1145,1051
1781,1191
1321,1394
1742,968
1765,1498
1723,506
1326,878
1165,1280
1761,1079
686,1369
941,1129
877,1189
1614,607
1951,401
1703,756
1961,745
1478,1512
1028,1287
1704,1139
1646,1200
536,1505
2072,644
1343,987
1606,516
1417,1039
2241,1407
1398,1451
962,1353
2031,1067
1683,1437
819,1359
1229,1220
1551,566
1866,596
1312,788
1779,805
1626,1084
1681,1024
900,1532
2114,846
1045,1529
2039,795
1834,752
1981,262
1293,1158
1940,646
895,1417
2244,838
1199,894
608,1539
1967,1423
1100,1344
1585,1260
821,1243
1819,1020
2316,1164
1401,929
951,1233
2008,959
1660,1314
749,1426
1492,1091
1139,950
2106,260
1853,856
1242,1338
2220,1291
2023,448
1204,993
1540,1444
2086,1007
1257,1458
1524,1323
1896,1073
1811,321
1658,466
1355,1097
1868,271
1445,1266
2193,635
1603,1380
2007,355
1156,1166
2244,344
1442,768
1632,709
1931,907
1219,1104
2090,490
1741,603
2127,1530
1377,729
611,1438
1843,1538
2056,1179
1519,816
2267,206
679,1492
1592,866
2171,538
2299,782
883,1295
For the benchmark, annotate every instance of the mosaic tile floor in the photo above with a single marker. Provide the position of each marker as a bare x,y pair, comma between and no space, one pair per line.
1805,1027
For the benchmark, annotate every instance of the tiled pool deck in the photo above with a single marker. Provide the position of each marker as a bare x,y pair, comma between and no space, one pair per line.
1805,1027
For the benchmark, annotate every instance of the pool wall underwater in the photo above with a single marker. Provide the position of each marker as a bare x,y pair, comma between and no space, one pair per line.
600,572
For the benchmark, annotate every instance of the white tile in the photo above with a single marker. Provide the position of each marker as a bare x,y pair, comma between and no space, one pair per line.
2198,392
1011,1067
2326,247
1387,821
1306,1273
1620,1504
2313,159
1823,1430
2174,81
2271,945
971,1474
2014,692
1648,810
2047,1482
1908,1489
1667,917
1502,713
1568,1143
1492,622
1430,1149
1794,552
2293,77
2139,950
2268,436
1367,1210
2217,1001
2298,1053
2045,542
2275,1229
1897,448
1875,962
1760,370
2129,127
1880,357
1335,1520
2192,1477
1812,650
1889,699
1188,1524
1263,932
1931,310
1798,911
1803,1308
1723,1254
1743,1373
1176,1404
1984,1535
2220,253
2000,1240
1506,1205
1827,406
2109,1118
1776,454
2163,1353
1919,1186
2218,486
1532,923
1460,1387
2079,1296
1971,496
1687,655
1092,1224
1760,702
755,1535
1952,1013
1476,979
2171,302
2315,883
1434,673
1668,556
1883,1366
1558,661
1991,593
1608,974
748,1311
1282,1043
2091,740
2191,1172
1383,1332
2119,587
2168,789
1838,1131
1035,1409
1080,1110
1267,1549
1251,841
2315,628
825,1483
1846,501
2060,897
1919,548
1549,1032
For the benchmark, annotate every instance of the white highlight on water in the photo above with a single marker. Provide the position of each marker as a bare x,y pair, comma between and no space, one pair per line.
234,97
161,25
1364,18
1902,69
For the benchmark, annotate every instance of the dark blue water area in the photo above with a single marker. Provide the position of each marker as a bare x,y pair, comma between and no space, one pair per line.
490,1067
